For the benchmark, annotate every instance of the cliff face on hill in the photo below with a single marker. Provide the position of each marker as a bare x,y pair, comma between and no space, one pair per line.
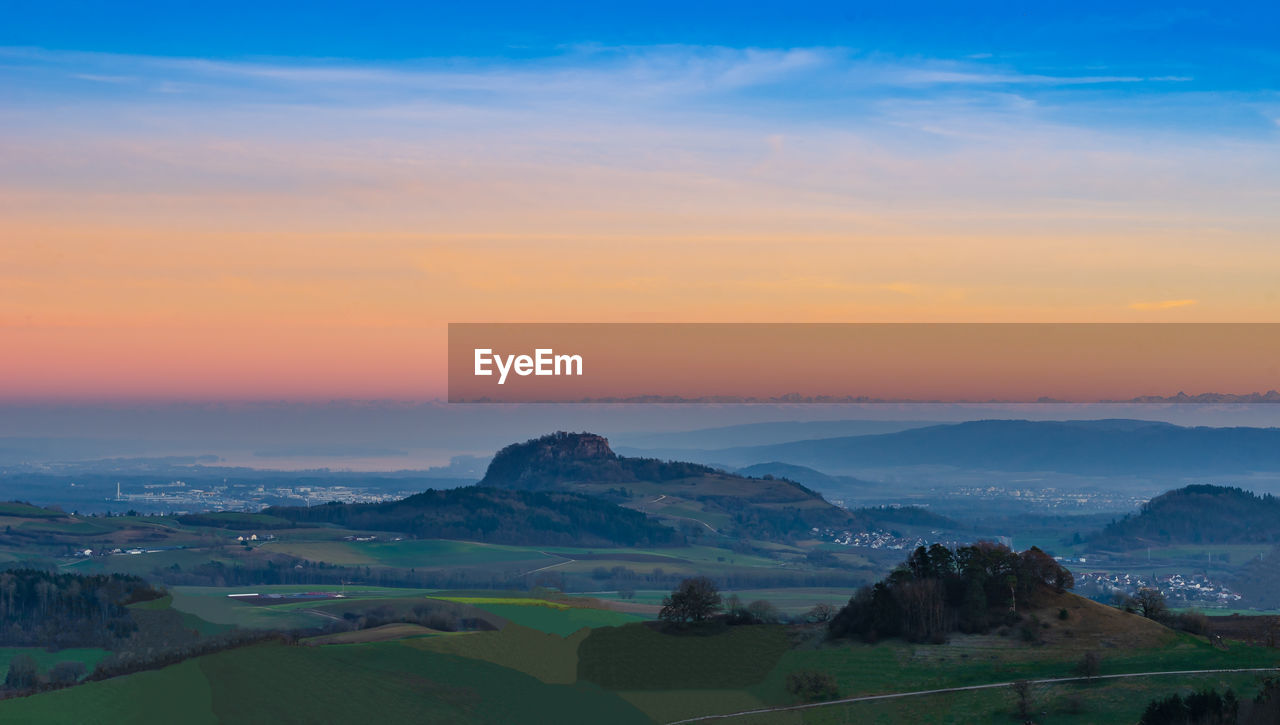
561,457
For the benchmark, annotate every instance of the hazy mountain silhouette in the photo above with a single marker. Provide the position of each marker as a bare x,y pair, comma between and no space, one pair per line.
1096,447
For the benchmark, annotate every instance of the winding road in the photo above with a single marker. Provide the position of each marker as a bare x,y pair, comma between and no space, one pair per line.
944,690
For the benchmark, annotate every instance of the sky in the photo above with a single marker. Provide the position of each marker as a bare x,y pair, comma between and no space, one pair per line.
290,201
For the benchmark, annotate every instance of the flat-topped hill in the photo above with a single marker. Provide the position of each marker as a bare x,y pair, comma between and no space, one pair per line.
700,495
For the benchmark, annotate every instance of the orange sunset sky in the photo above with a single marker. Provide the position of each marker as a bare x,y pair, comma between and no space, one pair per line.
239,228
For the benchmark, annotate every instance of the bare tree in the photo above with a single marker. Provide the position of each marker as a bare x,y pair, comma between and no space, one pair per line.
694,600
1023,699
1089,665
1150,603
821,612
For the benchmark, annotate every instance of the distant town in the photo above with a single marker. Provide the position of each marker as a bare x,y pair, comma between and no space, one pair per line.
179,497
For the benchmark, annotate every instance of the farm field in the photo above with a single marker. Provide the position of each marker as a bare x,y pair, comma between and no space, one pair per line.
560,622
793,601
213,605
274,683
1113,703
635,673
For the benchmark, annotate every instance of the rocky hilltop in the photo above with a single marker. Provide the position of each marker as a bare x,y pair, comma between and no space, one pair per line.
562,457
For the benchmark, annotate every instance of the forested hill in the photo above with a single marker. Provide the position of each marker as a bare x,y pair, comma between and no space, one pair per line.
1200,514
498,516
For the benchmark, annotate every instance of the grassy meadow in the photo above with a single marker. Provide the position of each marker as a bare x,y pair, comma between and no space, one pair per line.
559,661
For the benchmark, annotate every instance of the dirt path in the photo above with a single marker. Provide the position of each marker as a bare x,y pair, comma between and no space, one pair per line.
944,690
567,560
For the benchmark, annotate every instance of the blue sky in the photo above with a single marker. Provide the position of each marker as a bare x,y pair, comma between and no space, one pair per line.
1133,35
1147,63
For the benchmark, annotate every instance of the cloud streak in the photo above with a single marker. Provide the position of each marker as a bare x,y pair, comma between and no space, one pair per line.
1162,305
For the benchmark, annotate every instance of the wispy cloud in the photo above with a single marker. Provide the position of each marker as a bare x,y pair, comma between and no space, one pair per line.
1162,304
582,73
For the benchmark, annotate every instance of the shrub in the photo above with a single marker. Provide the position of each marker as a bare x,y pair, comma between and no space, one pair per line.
820,613
812,686
1193,622
1201,707
67,672
23,673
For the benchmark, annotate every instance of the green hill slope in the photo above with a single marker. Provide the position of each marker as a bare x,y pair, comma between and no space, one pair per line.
492,515
390,682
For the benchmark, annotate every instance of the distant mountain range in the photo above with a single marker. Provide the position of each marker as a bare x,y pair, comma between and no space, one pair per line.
1092,447
1271,396
755,434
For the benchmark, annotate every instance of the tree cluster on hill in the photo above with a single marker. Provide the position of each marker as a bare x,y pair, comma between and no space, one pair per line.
560,457
1150,603
39,608
697,599
1208,707
1258,581
496,515
939,590
1198,514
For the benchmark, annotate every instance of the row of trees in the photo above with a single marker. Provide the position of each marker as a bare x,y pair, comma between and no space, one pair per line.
697,600
282,569
24,674
939,590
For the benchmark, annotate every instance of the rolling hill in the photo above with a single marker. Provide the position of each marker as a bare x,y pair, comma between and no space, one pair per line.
493,515
1199,514
810,477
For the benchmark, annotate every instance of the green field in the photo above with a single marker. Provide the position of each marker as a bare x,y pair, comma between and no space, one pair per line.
1111,703
392,682
212,604
561,622
533,672
640,658
22,510
795,601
